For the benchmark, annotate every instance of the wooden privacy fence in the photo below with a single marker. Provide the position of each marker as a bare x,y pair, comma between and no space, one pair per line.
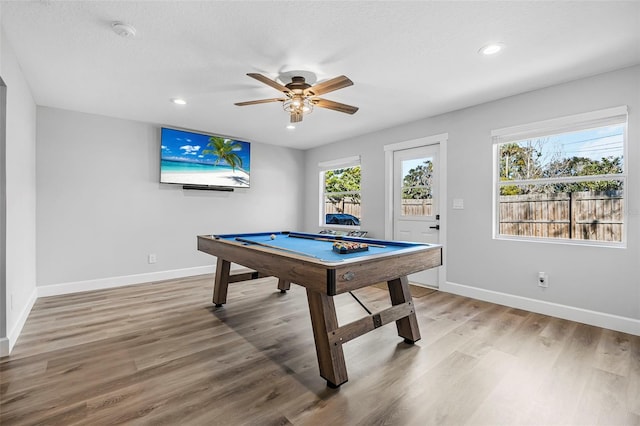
409,208
575,215
572,215
346,207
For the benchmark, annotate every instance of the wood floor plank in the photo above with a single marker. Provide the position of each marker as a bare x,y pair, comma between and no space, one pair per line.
603,401
613,353
161,353
559,395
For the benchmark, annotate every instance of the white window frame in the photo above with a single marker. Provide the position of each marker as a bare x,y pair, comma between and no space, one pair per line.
341,163
593,119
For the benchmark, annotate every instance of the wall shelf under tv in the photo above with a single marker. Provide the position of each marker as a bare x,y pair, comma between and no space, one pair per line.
208,188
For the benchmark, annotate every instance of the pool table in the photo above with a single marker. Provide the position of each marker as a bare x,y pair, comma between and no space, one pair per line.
310,260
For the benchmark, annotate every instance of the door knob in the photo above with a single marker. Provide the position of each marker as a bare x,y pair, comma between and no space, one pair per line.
435,227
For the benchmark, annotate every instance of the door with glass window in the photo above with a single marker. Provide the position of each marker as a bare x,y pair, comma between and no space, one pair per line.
416,201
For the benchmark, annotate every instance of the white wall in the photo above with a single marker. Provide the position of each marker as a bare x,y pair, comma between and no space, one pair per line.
20,194
589,284
101,209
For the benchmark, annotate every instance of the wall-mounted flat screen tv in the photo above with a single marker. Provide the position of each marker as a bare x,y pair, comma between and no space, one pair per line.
207,160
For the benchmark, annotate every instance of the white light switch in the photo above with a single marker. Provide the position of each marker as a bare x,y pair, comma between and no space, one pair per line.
458,203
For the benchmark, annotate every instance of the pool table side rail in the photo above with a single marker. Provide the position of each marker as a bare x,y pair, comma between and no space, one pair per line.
292,268
369,271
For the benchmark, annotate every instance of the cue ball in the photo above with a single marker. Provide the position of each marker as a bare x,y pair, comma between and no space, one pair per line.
273,236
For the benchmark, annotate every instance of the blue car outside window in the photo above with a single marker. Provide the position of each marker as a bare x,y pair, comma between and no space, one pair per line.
341,219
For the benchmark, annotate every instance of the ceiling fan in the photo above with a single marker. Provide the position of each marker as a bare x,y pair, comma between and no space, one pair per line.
301,97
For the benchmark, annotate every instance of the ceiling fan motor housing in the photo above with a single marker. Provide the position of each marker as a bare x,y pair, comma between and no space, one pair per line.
297,85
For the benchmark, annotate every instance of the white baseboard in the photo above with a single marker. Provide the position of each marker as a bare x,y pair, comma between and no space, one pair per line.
585,316
113,282
14,333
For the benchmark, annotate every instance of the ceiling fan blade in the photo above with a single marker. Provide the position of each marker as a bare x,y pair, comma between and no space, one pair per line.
336,106
268,82
261,101
328,86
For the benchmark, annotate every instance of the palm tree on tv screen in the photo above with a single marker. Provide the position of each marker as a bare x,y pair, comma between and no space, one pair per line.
224,149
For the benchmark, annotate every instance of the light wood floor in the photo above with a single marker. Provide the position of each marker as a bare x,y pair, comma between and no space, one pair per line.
162,354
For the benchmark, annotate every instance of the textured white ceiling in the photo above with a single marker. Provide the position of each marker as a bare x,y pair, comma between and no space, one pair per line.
408,60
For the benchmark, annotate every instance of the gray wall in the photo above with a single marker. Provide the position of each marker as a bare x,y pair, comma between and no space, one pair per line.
20,194
3,212
101,210
599,279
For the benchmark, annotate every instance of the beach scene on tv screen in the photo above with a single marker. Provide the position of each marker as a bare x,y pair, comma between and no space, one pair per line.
198,159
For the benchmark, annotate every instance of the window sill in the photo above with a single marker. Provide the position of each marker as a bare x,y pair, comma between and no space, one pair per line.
563,241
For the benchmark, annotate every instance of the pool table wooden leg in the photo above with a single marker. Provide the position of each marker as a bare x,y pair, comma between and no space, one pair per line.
324,321
399,292
221,283
283,285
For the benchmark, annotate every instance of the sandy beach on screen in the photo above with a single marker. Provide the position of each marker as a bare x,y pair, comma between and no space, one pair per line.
218,178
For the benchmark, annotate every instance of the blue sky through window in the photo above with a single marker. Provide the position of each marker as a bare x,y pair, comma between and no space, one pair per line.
595,144
408,165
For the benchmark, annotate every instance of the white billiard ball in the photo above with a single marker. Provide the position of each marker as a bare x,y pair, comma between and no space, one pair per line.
273,236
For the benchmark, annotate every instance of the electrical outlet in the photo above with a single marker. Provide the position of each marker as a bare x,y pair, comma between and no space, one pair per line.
152,258
543,279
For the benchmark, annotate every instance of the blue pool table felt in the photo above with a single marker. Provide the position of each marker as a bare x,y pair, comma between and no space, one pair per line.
323,250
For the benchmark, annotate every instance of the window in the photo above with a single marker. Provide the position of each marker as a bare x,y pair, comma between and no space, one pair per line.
416,195
340,193
563,179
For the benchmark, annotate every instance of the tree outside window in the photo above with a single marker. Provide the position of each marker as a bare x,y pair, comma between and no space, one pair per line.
417,186
342,196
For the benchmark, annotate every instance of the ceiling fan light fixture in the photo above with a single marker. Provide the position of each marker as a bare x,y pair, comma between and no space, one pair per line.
298,105
295,117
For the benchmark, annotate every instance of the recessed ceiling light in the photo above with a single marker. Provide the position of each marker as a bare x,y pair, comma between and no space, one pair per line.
178,101
291,126
491,49
123,30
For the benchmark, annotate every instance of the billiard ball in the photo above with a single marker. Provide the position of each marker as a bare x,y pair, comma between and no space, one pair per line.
273,236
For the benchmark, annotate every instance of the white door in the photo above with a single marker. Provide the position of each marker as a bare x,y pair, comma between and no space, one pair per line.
416,202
